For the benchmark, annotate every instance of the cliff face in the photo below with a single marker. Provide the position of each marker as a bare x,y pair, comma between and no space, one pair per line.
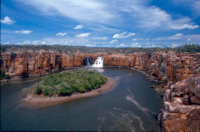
20,64
182,106
166,67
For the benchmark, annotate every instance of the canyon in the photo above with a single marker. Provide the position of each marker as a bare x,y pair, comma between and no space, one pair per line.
177,73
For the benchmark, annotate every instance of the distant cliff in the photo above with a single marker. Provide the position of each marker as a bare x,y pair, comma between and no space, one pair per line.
41,62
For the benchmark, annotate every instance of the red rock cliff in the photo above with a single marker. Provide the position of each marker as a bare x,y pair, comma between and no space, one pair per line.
163,66
182,106
39,62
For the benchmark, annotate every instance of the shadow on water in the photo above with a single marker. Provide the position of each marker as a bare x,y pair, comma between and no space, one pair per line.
131,106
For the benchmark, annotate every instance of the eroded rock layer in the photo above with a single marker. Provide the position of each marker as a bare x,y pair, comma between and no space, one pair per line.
30,63
182,106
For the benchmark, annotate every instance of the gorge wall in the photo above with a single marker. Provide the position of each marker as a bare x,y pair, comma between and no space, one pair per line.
42,62
179,74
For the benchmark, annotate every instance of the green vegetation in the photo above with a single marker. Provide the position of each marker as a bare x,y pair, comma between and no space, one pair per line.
7,67
7,76
65,83
13,56
189,48
3,74
73,49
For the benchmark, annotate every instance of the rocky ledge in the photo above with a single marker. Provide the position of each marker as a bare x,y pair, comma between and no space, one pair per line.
182,106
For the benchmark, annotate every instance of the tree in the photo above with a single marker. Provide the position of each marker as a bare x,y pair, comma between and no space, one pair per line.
3,74
7,67
7,76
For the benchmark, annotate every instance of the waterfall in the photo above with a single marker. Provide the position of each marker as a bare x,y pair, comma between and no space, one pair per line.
98,62
87,61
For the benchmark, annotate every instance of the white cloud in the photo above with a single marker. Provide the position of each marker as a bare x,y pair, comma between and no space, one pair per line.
83,35
26,42
61,34
23,31
123,35
90,45
176,36
136,44
173,45
192,5
86,11
140,12
150,17
7,20
99,38
140,39
78,27
122,45
184,26
43,42
113,41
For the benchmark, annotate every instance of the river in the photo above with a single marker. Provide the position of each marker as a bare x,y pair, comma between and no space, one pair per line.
131,106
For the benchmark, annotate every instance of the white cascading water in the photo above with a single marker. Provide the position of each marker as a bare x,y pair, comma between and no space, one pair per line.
98,62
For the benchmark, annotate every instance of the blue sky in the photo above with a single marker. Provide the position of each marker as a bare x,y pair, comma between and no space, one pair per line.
101,23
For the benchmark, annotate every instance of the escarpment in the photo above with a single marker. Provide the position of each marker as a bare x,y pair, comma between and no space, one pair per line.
41,62
165,67
178,73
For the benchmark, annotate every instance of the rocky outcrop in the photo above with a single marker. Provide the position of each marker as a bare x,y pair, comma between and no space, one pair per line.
182,106
165,67
41,62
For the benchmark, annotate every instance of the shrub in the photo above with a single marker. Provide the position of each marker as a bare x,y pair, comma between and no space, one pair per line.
38,91
63,91
45,91
65,83
3,74
7,76
7,67
13,56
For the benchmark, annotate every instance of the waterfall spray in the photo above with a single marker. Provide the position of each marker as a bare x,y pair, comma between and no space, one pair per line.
98,62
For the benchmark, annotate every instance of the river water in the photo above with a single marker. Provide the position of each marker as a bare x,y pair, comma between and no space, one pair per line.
131,106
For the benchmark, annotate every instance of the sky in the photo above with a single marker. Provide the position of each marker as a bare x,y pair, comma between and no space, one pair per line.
101,23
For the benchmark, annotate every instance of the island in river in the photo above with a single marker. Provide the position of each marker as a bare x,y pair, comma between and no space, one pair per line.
67,86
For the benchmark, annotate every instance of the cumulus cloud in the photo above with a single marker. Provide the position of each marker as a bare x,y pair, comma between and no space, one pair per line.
7,20
136,44
184,26
122,45
23,31
99,38
192,5
86,11
90,45
141,13
176,36
140,39
113,41
61,34
123,35
83,35
173,45
78,27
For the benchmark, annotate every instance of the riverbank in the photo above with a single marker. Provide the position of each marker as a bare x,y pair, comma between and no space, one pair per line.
38,101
